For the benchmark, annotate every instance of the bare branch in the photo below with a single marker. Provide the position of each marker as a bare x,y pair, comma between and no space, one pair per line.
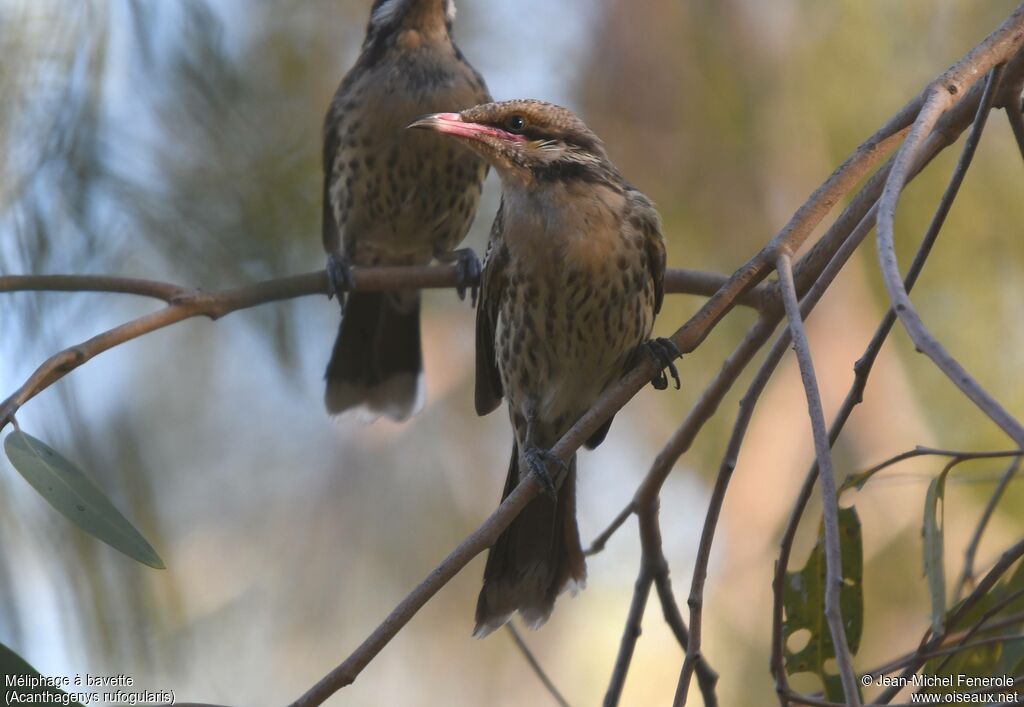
187,303
375,279
830,501
929,452
941,96
598,544
630,634
967,574
536,666
182,304
654,570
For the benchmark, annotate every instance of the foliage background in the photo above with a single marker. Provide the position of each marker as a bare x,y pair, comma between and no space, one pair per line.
180,141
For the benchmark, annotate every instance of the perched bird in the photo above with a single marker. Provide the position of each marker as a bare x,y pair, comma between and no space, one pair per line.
393,197
572,281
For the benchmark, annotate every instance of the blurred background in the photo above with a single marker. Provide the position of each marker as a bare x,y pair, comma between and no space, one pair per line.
180,141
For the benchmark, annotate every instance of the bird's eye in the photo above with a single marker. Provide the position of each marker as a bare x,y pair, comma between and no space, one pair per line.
516,123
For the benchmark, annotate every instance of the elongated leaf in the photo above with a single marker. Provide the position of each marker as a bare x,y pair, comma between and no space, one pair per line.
19,678
804,602
75,495
934,547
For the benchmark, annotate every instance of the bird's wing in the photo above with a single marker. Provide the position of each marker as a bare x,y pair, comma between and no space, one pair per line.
492,285
645,217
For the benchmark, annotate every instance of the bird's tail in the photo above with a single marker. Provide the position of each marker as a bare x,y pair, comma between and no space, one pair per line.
377,364
534,560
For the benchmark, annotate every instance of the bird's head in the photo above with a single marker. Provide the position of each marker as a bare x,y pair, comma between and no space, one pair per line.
525,140
390,16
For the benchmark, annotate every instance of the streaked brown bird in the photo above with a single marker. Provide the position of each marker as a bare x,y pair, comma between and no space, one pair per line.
393,197
572,281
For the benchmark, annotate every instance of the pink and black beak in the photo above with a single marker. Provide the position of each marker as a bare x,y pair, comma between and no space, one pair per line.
453,124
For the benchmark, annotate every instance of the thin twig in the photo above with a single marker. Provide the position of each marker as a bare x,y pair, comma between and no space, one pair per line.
181,305
370,279
941,97
536,666
187,303
630,633
929,452
830,501
654,570
967,574
597,544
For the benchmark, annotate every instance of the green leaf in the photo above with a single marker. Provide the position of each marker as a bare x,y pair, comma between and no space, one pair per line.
13,667
804,603
75,495
934,547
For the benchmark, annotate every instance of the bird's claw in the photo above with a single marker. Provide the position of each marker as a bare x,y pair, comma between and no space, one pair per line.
664,352
339,278
538,460
467,273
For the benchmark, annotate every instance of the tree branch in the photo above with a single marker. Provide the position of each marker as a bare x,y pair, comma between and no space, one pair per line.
941,97
829,499
187,303
967,574
536,666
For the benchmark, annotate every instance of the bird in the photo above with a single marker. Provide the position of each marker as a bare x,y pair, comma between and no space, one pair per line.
391,197
573,278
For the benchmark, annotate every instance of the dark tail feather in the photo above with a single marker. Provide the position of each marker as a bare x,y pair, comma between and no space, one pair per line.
534,560
376,363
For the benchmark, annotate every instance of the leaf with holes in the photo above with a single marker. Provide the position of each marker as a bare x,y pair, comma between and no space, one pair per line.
804,603
934,547
15,670
76,496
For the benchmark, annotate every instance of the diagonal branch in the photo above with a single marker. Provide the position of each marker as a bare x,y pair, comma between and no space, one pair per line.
927,646
535,665
967,574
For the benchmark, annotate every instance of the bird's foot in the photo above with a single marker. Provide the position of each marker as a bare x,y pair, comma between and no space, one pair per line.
538,459
664,352
467,271
339,277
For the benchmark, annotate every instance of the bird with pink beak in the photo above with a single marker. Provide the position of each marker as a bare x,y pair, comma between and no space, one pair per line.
572,281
